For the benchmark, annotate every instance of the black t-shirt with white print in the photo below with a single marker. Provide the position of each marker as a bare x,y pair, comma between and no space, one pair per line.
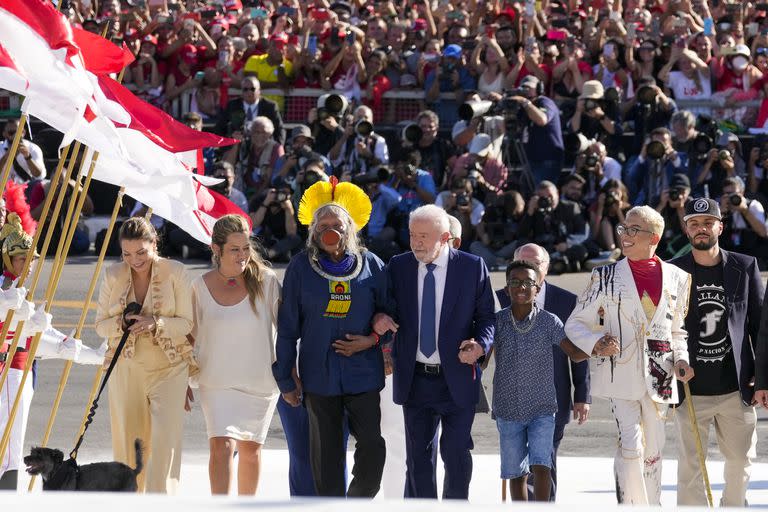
712,357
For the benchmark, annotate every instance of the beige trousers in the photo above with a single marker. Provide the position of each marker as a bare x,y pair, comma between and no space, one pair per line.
146,401
735,427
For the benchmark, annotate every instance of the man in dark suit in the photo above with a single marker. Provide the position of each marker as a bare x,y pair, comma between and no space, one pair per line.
568,374
242,111
723,322
441,306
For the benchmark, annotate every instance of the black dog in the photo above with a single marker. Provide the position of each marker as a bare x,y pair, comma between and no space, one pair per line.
61,475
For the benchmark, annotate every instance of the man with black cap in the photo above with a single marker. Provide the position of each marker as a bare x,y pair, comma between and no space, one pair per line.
672,207
540,133
723,321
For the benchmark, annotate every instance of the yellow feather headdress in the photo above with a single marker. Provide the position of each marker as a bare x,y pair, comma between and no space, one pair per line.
350,197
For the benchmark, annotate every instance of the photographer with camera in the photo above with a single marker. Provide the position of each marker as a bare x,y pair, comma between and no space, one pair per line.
722,162
594,165
379,235
416,188
452,75
557,225
226,172
360,149
435,154
607,212
590,118
649,108
671,206
299,149
274,221
652,172
488,175
538,120
757,178
496,238
326,121
460,202
744,228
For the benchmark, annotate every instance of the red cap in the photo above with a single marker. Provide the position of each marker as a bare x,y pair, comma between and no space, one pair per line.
581,13
188,54
507,13
420,24
233,5
149,38
280,39
224,24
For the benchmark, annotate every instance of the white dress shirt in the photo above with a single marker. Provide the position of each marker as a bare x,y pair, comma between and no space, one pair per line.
440,272
541,297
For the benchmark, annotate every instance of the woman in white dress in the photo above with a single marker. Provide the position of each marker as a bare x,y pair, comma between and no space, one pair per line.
235,307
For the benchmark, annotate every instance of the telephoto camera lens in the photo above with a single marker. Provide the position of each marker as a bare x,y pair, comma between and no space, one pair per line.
735,200
723,154
545,203
655,150
674,194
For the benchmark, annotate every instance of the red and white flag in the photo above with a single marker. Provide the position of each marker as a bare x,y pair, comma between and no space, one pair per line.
101,56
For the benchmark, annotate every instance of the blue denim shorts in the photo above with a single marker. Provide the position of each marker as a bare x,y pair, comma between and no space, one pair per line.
525,444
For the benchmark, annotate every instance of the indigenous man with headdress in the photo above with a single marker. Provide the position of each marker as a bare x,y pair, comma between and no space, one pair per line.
53,344
331,291
630,321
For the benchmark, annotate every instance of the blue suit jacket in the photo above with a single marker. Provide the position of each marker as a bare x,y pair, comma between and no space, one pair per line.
560,303
744,294
466,312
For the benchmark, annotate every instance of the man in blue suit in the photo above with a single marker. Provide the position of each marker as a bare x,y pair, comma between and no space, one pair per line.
569,376
441,306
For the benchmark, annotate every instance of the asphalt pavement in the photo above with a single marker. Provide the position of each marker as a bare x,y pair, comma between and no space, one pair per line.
595,438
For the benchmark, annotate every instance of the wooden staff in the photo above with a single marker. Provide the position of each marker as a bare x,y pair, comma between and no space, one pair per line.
79,330
31,253
699,446
50,293
12,152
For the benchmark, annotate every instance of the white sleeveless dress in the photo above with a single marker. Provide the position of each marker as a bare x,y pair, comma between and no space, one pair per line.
235,349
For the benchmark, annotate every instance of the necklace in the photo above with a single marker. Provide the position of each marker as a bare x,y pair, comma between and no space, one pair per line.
231,281
524,330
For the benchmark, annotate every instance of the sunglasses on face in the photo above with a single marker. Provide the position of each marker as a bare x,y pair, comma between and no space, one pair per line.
521,283
249,88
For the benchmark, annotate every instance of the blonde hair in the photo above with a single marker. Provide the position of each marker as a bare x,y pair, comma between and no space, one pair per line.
255,269
653,218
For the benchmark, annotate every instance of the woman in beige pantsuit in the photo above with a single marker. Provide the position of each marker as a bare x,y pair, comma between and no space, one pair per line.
148,385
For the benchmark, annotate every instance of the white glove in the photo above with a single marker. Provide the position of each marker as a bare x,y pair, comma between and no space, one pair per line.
12,298
55,344
40,321
24,313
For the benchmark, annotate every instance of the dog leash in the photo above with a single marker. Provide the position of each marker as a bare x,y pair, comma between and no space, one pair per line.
133,308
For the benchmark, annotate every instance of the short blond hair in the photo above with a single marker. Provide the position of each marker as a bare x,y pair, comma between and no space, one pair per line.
653,218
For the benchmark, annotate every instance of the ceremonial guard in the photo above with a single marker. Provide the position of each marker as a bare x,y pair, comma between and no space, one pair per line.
53,344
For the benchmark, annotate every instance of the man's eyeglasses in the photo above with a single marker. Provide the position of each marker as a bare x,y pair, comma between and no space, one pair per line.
249,88
521,283
622,230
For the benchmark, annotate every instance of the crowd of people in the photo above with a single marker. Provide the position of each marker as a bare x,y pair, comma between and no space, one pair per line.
543,121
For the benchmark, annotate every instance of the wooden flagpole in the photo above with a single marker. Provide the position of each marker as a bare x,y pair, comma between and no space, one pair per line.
30,255
50,293
12,153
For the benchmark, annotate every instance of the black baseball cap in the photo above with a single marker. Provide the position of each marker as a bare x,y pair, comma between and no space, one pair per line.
702,207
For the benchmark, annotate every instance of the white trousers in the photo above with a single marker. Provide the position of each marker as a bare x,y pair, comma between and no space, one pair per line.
637,464
393,432
12,460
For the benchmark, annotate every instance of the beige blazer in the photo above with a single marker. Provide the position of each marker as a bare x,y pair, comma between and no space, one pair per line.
650,348
169,301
